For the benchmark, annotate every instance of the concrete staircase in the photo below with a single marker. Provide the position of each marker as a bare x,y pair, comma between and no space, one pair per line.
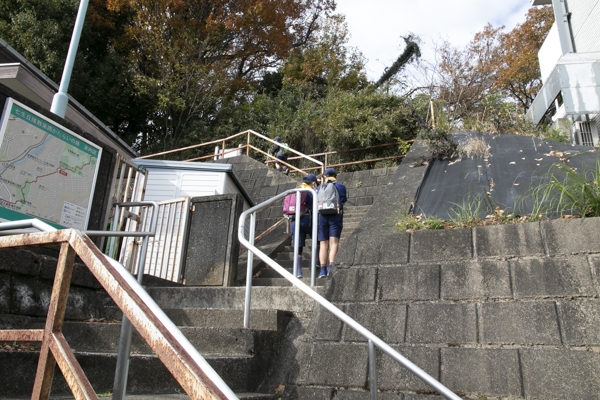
284,256
263,183
211,318
240,356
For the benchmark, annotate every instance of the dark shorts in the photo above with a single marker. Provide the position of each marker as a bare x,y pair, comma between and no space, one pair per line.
330,226
305,229
282,158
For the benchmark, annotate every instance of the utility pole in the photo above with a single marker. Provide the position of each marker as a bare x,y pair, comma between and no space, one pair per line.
60,99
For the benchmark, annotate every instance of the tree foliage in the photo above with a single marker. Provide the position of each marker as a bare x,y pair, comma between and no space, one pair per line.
171,73
41,31
492,81
518,72
188,57
327,60
464,77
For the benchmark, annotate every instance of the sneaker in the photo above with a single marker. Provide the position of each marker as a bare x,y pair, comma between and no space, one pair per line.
330,270
286,171
323,273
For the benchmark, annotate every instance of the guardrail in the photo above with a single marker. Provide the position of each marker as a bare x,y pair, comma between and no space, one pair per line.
188,367
222,152
248,146
327,156
373,340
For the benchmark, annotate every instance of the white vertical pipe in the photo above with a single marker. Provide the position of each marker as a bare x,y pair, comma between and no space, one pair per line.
561,17
60,99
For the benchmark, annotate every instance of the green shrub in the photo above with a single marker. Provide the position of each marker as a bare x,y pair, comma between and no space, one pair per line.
567,191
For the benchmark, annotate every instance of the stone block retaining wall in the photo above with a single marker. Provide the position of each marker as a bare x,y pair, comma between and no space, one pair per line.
494,312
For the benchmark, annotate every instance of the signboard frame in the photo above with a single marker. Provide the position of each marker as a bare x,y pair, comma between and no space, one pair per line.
71,215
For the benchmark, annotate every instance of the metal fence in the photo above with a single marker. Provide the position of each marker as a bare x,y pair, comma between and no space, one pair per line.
165,253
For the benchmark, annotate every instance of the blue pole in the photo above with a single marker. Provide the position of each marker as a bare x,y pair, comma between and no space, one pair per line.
60,99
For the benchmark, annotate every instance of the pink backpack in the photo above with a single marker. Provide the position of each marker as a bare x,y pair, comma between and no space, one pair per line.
289,203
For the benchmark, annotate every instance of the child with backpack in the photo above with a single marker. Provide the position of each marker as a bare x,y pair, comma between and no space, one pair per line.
280,151
306,203
331,196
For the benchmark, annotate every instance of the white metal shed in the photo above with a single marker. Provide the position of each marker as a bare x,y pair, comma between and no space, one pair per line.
172,184
173,179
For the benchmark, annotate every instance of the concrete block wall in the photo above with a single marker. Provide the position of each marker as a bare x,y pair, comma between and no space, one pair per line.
263,183
507,311
364,186
494,312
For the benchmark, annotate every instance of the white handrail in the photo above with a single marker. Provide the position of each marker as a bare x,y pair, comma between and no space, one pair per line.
253,250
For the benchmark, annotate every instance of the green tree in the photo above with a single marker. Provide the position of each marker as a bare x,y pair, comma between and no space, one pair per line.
327,59
41,31
518,70
192,60
490,83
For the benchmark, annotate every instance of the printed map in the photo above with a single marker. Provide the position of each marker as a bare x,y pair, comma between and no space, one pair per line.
45,171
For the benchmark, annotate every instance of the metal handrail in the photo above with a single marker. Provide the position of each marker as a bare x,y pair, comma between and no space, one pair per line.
252,212
372,338
249,133
326,155
271,158
187,366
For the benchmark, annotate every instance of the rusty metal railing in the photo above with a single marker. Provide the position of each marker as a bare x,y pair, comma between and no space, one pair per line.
326,155
314,164
318,165
188,367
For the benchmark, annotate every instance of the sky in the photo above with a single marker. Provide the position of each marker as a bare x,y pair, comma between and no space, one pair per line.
376,26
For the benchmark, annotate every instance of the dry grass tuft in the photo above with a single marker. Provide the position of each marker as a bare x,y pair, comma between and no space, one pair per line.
472,147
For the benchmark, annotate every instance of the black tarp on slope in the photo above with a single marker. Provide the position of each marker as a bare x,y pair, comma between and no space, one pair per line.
504,179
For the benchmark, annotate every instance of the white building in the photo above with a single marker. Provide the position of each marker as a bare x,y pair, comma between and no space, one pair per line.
570,67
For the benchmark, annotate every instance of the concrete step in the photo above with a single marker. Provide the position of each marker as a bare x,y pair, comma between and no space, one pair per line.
264,319
279,298
282,282
147,374
209,341
271,273
286,260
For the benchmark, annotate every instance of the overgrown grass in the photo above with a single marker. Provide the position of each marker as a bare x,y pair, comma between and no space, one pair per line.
411,223
568,191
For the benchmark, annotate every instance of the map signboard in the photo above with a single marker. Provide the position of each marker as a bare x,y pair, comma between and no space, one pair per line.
46,170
